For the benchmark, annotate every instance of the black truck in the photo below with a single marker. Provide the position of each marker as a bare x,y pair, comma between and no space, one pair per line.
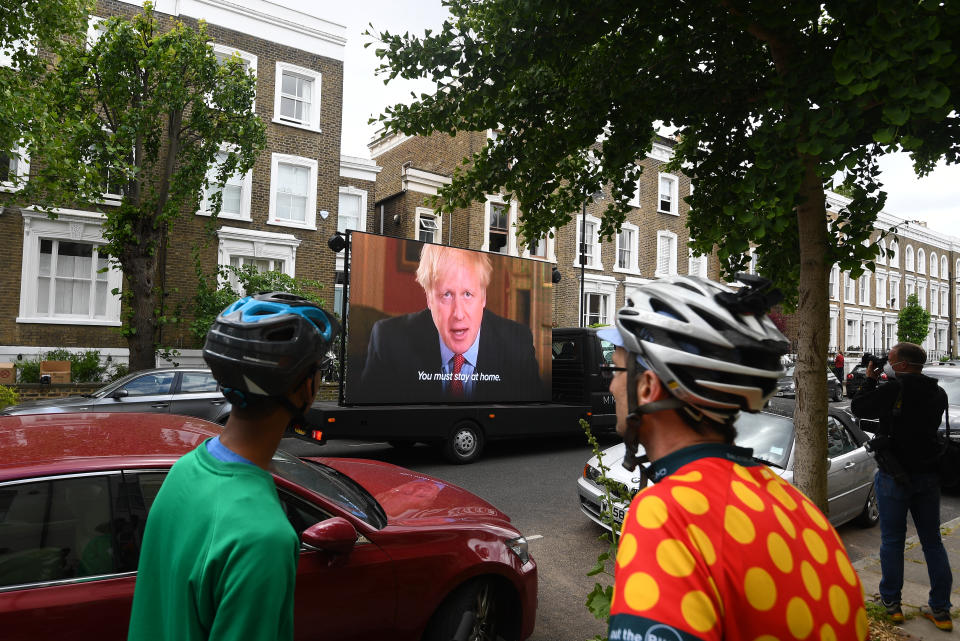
579,390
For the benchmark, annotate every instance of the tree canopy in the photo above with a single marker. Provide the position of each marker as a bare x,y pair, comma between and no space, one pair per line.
144,112
769,102
913,322
29,31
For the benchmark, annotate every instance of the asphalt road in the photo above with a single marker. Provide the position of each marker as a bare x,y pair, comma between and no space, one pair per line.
534,482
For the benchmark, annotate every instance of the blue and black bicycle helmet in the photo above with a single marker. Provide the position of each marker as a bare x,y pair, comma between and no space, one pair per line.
266,344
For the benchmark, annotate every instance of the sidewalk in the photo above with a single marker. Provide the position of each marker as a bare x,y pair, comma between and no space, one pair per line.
916,585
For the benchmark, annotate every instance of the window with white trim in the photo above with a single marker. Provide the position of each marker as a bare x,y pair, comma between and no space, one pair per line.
668,195
248,60
666,253
944,302
235,192
538,248
697,265
293,191
853,337
96,27
881,290
881,258
893,253
908,258
934,266
297,98
65,278
848,285
627,249
599,296
894,292
921,261
14,169
934,300
922,295
635,200
498,227
588,243
351,209
891,335
428,226
911,289
864,285
264,251
834,283
943,267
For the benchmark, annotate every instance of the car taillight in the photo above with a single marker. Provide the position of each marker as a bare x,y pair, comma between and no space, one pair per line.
850,377
883,376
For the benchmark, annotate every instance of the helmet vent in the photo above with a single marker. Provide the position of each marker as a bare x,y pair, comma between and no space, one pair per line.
662,308
281,334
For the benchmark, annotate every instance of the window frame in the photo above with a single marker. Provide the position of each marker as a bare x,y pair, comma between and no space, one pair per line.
863,289
633,265
246,194
250,58
253,243
596,284
310,221
921,261
893,257
674,193
70,226
316,78
893,291
593,260
908,258
423,214
22,169
672,258
702,263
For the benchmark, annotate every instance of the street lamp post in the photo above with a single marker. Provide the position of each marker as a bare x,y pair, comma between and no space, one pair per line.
583,245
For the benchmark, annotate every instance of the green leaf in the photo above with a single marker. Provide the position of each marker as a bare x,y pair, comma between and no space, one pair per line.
896,114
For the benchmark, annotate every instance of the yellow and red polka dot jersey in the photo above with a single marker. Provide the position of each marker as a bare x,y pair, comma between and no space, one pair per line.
721,550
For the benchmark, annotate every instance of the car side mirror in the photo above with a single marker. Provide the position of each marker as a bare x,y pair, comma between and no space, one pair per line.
336,535
120,393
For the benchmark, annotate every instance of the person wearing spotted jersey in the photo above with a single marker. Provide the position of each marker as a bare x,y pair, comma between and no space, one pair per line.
719,546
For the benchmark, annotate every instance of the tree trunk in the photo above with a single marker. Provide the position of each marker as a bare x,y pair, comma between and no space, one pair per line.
810,414
141,274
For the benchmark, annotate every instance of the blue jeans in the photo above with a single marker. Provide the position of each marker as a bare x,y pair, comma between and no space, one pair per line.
922,499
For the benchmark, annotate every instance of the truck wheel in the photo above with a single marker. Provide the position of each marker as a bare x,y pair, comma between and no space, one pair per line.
465,443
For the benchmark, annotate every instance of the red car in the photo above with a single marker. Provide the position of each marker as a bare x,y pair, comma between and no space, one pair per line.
386,553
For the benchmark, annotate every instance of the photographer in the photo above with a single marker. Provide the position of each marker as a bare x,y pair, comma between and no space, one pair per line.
909,407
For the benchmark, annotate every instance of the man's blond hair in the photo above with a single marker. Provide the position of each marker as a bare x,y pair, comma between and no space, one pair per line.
436,259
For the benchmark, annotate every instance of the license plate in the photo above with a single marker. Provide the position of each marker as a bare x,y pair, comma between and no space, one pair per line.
618,509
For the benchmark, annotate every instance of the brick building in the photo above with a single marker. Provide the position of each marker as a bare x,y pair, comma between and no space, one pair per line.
278,216
653,241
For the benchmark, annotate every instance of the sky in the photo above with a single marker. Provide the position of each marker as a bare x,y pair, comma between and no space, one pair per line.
934,199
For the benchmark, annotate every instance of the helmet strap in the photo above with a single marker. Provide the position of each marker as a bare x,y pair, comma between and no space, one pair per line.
631,436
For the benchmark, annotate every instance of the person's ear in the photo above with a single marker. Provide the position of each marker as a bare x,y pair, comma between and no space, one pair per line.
649,388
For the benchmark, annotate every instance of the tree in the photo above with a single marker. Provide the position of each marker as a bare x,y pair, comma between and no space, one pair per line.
769,102
29,29
913,322
144,113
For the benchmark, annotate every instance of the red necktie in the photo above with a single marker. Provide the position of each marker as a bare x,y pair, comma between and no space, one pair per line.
456,386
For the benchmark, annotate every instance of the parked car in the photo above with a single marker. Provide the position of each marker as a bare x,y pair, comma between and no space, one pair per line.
392,554
787,385
850,490
855,378
191,391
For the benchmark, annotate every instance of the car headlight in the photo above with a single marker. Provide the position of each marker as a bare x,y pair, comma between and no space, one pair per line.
519,547
590,472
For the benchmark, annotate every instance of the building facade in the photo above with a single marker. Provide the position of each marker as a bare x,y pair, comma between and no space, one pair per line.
653,241
276,217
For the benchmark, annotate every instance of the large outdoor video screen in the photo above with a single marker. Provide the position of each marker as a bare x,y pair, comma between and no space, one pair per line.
436,324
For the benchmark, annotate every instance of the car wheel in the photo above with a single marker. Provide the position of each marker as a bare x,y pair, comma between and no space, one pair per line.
871,512
465,443
468,614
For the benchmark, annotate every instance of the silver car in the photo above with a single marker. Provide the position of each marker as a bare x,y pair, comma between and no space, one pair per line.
191,391
850,472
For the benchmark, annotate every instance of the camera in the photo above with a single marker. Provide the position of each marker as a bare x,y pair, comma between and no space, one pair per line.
878,361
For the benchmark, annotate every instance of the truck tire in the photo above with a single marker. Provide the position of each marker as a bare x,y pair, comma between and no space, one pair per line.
465,443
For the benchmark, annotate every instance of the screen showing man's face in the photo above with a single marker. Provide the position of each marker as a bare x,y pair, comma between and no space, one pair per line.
456,302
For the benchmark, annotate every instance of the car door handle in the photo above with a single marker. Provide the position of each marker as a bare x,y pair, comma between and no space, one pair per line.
159,405
220,402
849,465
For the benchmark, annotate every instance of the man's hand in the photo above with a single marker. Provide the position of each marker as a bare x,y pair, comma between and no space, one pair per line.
871,372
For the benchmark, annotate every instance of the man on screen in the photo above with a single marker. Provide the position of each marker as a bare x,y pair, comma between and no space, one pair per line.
456,349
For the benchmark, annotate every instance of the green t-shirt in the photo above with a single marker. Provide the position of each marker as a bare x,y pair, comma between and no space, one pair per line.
219,556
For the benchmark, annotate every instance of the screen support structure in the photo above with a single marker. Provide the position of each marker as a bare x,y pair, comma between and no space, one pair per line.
343,317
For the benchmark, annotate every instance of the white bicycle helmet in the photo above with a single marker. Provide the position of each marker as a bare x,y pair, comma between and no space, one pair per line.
715,349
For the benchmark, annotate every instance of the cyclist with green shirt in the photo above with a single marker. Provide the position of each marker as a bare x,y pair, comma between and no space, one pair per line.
219,556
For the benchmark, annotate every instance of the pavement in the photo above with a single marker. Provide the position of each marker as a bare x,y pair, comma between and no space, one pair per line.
916,585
